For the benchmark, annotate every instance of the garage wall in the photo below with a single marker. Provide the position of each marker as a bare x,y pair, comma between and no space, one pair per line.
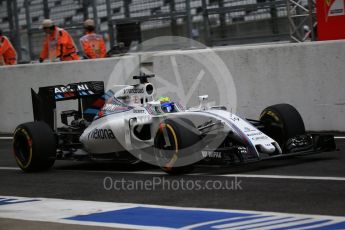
309,76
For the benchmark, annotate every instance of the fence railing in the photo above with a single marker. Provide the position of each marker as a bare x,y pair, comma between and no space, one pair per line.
212,22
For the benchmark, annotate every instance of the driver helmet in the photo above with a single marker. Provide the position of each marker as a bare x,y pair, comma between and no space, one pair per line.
166,104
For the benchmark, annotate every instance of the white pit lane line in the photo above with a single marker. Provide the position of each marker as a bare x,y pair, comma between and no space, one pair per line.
284,177
10,168
262,176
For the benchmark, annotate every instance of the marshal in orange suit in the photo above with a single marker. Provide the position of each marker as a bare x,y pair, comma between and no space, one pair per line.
93,44
8,55
58,44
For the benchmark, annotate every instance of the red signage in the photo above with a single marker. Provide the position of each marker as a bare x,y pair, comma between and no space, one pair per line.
330,19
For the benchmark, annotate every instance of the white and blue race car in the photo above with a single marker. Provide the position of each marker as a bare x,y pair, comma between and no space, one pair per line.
127,124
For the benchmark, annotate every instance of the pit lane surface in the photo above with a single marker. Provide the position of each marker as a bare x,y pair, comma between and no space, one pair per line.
312,184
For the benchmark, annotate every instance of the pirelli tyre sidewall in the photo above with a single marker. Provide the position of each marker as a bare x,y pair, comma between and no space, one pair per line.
282,121
181,139
34,146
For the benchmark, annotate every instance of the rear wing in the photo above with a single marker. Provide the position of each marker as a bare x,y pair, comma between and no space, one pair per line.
44,102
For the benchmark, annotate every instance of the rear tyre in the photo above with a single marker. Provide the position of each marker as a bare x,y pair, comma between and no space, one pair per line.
34,146
183,138
282,121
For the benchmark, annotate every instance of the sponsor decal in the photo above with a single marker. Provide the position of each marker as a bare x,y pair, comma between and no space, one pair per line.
136,99
82,87
133,91
254,134
211,154
247,130
62,89
243,150
259,138
139,111
101,134
67,89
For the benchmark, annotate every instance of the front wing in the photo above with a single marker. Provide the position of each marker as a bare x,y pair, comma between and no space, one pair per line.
308,144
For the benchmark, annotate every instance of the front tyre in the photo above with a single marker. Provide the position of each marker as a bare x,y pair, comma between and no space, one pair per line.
34,146
282,122
175,140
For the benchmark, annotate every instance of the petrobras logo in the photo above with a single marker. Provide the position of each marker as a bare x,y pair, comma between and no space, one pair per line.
211,154
102,134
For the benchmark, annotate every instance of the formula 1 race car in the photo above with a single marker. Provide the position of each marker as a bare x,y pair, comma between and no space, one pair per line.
127,124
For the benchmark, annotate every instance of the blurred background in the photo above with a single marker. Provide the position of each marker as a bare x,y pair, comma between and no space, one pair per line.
129,22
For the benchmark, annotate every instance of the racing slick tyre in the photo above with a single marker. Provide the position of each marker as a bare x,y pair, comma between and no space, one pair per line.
34,146
281,122
183,138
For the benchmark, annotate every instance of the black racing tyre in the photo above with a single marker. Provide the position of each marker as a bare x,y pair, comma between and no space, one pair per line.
183,138
34,146
282,121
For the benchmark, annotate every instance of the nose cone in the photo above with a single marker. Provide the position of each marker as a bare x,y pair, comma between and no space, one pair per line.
267,148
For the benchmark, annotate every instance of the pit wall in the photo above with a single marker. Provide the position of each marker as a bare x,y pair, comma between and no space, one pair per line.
310,76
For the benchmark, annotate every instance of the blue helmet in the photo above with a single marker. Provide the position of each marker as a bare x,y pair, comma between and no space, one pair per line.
166,105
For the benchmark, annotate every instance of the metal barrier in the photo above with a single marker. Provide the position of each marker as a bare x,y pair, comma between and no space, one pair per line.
213,22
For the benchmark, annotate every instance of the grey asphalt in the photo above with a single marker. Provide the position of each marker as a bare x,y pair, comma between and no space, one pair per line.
85,181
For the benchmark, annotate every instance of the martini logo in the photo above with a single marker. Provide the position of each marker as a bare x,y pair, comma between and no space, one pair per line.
67,89
62,89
